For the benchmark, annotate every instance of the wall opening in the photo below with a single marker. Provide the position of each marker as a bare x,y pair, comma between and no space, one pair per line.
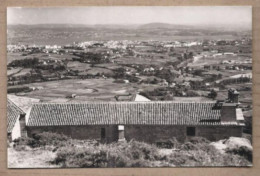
121,133
23,125
103,133
191,131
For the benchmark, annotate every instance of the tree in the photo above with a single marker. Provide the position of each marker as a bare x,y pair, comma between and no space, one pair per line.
213,94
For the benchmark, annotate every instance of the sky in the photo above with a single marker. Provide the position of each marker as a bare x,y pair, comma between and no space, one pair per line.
185,15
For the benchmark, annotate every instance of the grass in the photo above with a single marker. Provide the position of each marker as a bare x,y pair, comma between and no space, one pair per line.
75,65
31,158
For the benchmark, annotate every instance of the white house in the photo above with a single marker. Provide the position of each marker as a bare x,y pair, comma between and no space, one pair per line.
17,108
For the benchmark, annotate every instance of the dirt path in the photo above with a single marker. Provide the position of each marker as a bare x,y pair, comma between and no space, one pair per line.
30,158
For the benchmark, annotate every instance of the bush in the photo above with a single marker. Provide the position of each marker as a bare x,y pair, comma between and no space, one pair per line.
131,154
25,63
18,89
191,93
171,143
22,141
241,151
47,138
43,139
198,140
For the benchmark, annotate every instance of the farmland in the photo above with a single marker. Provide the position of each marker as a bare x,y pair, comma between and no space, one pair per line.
86,90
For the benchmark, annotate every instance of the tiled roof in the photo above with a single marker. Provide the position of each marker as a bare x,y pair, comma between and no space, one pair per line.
22,102
13,113
143,113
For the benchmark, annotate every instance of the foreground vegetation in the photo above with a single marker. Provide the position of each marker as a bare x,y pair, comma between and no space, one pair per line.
89,153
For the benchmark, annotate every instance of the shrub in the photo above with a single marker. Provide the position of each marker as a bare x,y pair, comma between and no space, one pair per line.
198,140
189,146
192,93
91,156
241,151
177,158
22,141
131,154
26,63
18,89
47,138
171,143
43,139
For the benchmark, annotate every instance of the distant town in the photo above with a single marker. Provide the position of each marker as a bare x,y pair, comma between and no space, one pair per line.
158,70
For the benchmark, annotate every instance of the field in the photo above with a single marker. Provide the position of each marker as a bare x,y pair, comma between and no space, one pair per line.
41,56
86,90
75,65
216,60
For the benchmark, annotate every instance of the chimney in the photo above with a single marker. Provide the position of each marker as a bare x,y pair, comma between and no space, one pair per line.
233,96
228,112
23,125
121,133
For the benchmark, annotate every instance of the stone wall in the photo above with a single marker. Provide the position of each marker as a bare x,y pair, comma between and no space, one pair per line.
80,132
145,133
154,133
219,132
228,112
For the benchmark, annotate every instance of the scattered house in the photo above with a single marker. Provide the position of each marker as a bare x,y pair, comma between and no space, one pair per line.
217,54
172,85
71,96
197,58
151,69
164,83
229,54
126,81
151,121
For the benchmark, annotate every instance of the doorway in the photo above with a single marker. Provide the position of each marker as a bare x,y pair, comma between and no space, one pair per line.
103,134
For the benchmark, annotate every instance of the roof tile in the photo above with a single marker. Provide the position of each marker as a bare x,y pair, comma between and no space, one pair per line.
13,113
143,113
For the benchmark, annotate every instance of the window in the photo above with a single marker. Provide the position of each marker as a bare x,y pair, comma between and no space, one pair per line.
103,133
191,131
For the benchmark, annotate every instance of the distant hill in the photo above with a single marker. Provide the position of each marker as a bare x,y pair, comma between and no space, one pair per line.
136,26
62,34
163,25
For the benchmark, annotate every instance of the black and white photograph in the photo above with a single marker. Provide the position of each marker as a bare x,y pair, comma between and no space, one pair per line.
129,86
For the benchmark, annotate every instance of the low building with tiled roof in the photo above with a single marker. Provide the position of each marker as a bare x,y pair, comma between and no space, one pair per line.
152,121
148,121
